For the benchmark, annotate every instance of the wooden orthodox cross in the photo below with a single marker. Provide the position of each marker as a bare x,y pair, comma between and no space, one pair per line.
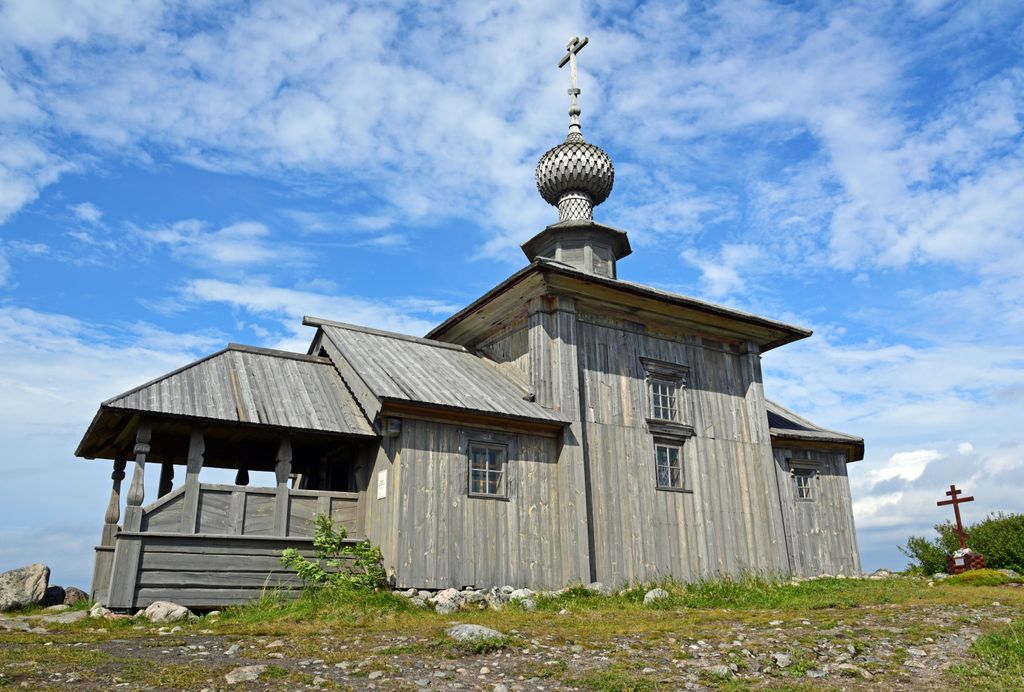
956,501
571,49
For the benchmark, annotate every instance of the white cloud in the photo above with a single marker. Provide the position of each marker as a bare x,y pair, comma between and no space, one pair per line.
87,211
905,465
725,273
965,448
287,306
240,244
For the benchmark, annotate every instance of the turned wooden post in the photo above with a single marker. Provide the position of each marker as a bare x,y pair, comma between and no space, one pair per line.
128,549
137,490
190,506
113,514
166,478
282,470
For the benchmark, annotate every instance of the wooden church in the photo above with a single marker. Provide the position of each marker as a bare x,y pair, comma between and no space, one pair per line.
565,427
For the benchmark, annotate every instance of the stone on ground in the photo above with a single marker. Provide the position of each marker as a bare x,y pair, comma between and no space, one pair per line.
54,596
470,633
245,674
527,604
782,660
598,588
520,594
655,595
447,601
165,611
23,586
73,595
59,608
1009,573
99,611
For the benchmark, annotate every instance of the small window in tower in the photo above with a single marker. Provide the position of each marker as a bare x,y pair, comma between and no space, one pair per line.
663,399
487,464
669,466
803,483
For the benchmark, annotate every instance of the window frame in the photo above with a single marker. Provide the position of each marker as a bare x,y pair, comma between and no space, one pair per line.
679,446
506,443
674,376
809,491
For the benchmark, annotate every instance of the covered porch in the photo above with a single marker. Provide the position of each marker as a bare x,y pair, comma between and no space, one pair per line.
207,545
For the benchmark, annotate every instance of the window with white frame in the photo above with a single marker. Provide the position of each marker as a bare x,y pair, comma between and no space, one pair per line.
664,399
668,459
803,483
665,383
487,466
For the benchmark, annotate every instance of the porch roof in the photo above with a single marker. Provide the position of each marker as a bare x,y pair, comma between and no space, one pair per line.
786,425
245,385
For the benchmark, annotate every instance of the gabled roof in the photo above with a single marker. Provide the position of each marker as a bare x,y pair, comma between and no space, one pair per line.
382,367
244,384
784,424
548,274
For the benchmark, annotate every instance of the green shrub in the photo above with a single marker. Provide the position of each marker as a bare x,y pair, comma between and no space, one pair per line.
999,537
337,562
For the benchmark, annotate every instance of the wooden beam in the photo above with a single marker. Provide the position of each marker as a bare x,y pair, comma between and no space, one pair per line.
282,470
190,505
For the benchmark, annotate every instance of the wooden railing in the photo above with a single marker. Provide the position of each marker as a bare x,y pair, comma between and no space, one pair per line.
236,510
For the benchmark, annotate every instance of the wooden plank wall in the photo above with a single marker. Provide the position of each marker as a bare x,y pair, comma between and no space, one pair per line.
203,572
730,522
446,538
821,534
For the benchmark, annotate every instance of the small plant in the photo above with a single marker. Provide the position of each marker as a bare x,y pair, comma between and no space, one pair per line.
338,562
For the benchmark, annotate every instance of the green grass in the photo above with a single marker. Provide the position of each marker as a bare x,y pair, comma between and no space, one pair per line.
996,660
978,577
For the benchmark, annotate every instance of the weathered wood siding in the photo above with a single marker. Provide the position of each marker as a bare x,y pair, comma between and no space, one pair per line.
820,532
249,511
446,538
201,571
729,521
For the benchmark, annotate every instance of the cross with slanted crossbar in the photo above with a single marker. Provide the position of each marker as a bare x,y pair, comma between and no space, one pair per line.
574,46
955,501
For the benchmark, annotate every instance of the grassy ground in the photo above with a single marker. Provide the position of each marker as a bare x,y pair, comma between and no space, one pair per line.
894,633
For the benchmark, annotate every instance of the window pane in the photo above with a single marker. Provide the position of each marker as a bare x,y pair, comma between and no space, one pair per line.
669,466
487,469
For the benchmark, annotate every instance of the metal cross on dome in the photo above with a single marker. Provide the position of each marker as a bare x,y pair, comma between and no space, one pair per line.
571,49
955,501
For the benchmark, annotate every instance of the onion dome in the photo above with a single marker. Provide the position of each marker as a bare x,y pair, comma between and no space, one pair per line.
575,176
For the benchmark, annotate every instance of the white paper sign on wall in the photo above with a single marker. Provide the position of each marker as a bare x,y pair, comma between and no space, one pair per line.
382,484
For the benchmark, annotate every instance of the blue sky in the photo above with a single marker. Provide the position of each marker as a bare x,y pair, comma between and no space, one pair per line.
175,177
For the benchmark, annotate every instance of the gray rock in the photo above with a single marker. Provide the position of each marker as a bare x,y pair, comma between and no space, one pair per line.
720,671
598,587
165,611
54,596
1009,573
782,660
418,602
852,669
376,675
425,595
73,595
917,652
472,597
880,574
233,649
447,601
520,594
655,595
24,586
99,611
507,589
59,608
496,598
816,673
469,633
65,618
939,576
245,674
527,604
499,688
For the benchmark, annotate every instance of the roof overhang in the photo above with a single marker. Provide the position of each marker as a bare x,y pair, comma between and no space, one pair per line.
506,301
